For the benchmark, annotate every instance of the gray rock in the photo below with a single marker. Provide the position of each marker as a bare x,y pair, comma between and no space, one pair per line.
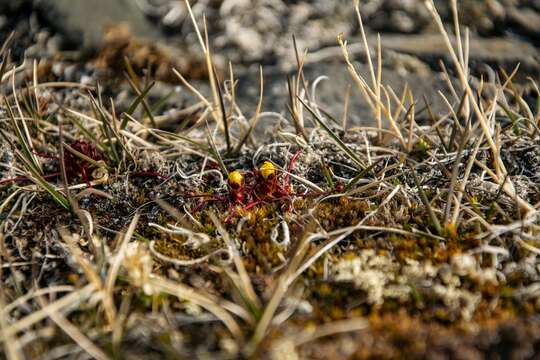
497,52
480,48
70,73
526,21
402,16
83,22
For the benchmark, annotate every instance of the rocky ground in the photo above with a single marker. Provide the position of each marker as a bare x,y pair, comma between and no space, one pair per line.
333,240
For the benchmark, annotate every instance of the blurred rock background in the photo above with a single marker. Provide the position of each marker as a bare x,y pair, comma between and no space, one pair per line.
80,40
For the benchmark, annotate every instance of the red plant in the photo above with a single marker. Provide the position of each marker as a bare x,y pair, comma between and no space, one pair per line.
76,165
249,189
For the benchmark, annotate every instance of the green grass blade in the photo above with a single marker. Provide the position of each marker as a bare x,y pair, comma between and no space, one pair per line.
335,137
141,94
215,152
136,102
107,131
223,112
41,182
361,175
27,152
161,102
426,203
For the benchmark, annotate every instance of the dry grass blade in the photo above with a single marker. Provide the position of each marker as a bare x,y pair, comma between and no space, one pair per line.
279,291
375,78
73,332
466,175
213,305
500,170
12,348
300,262
245,285
115,268
162,133
330,329
372,96
3,67
7,43
66,304
345,115
296,113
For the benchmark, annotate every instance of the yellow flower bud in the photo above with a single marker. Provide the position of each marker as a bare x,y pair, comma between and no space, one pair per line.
236,178
267,170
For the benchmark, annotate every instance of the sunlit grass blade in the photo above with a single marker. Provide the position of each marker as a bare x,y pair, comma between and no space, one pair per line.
200,146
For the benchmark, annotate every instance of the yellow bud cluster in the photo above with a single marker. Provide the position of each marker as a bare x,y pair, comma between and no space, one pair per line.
236,179
267,170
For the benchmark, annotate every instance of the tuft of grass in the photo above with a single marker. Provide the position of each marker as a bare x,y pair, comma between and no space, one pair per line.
31,165
354,157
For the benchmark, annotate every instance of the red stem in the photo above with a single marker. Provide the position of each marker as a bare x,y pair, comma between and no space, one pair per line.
290,166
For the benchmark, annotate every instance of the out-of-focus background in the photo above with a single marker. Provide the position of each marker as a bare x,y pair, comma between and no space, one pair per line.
87,41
